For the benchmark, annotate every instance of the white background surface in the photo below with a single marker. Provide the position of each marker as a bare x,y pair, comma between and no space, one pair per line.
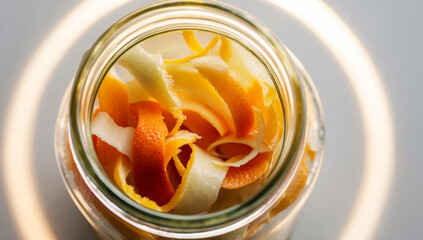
390,30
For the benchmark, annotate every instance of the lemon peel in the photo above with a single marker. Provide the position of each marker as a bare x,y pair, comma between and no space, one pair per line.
173,143
225,50
136,93
240,159
249,140
245,64
147,70
192,41
188,81
205,51
107,130
203,183
188,103
178,164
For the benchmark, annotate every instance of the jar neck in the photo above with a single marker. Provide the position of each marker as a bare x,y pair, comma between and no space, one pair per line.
168,16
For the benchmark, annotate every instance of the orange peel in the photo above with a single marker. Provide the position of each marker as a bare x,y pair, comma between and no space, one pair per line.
107,156
175,142
197,124
240,160
148,155
241,176
113,99
188,103
123,169
227,84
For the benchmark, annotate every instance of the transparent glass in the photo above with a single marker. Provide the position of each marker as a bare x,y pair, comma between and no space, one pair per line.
113,214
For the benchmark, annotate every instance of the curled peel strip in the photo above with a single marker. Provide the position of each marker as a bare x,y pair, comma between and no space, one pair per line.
107,130
189,82
202,184
187,103
204,52
147,70
241,160
176,141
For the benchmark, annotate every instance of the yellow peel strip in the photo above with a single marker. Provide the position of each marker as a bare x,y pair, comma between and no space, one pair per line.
180,117
274,125
122,169
249,140
107,130
147,70
176,141
241,160
188,81
205,51
203,183
188,103
225,50
191,41
178,164
136,93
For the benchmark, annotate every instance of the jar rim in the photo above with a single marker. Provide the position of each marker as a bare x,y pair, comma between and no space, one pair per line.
157,222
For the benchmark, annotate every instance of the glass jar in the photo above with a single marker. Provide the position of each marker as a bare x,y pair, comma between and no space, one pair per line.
114,215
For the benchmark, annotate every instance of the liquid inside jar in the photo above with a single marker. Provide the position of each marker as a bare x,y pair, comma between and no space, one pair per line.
189,122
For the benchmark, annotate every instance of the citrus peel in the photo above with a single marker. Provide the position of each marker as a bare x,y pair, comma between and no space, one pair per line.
227,84
241,176
204,52
225,50
148,156
147,69
192,42
240,159
175,142
113,99
197,124
203,183
107,130
189,82
211,116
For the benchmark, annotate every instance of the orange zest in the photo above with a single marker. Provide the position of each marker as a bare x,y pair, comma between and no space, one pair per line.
241,176
192,42
148,155
228,86
107,156
225,50
196,124
205,51
113,99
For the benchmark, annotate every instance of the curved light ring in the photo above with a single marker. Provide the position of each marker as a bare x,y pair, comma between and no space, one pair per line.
373,104
19,128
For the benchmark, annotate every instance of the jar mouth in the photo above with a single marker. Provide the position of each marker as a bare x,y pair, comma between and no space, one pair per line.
167,16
